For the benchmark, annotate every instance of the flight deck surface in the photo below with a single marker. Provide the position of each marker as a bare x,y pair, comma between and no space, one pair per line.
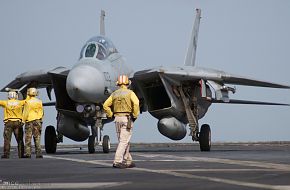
159,166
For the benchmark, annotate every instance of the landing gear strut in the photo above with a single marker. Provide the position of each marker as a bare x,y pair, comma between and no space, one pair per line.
204,135
96,138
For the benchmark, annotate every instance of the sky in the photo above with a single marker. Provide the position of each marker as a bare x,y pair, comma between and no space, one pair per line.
244,37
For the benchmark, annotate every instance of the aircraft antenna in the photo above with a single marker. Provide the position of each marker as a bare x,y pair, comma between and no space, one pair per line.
102,23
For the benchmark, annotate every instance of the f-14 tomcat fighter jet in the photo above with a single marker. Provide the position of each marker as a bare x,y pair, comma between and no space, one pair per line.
176,96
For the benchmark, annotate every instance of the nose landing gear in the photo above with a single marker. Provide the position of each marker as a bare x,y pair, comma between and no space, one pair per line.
97,139
106,144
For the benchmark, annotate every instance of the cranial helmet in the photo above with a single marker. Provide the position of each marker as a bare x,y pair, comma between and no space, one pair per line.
123,80
32,92
12,95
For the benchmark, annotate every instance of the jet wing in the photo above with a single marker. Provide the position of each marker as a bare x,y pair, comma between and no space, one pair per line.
214,78
40,76
188,73
39,79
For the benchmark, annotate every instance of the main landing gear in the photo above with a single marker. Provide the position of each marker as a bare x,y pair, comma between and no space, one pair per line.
204,135
204,138
51,139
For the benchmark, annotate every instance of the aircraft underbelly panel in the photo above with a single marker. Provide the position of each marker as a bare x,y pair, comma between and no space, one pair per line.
72,128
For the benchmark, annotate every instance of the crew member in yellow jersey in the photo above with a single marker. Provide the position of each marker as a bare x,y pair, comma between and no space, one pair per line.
13,123
32,116
123,104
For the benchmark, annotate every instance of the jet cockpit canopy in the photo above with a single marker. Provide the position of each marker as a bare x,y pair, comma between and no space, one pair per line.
98,47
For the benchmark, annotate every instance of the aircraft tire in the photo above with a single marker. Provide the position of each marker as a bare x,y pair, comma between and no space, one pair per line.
50,140
205,138
106,144
91,144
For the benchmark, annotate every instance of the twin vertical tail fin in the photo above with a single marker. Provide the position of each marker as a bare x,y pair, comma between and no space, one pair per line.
191,51
102,23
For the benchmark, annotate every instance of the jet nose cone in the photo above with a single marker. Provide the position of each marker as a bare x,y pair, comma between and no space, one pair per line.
85,84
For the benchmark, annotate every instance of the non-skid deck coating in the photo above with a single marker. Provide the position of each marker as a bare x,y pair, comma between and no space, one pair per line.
159,166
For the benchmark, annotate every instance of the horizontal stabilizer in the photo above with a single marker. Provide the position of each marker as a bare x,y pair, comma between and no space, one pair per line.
232,101
251,82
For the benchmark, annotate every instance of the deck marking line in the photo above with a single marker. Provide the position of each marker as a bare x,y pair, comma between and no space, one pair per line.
214,179
284,167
